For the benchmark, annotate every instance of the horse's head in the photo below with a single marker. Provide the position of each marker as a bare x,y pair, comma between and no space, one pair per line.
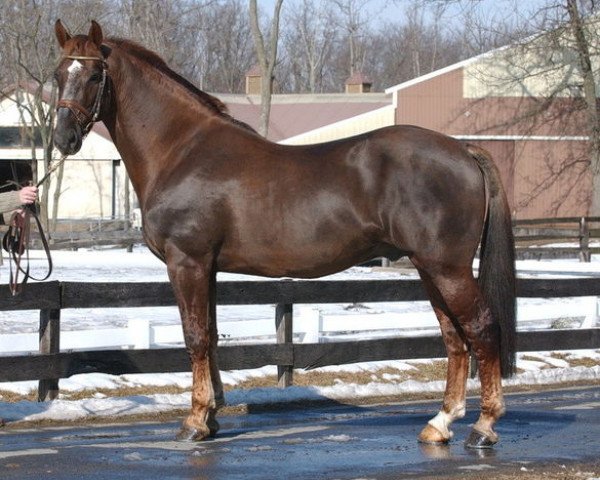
81,76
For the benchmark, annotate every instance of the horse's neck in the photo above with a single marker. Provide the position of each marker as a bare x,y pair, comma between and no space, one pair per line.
142,138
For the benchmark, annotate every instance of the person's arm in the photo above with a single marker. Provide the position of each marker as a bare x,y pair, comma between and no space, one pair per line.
10,201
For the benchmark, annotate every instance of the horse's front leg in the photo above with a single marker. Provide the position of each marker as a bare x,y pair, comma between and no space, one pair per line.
193,284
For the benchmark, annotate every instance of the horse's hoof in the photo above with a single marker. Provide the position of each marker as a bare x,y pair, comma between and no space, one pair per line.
478,440
188,434
432,436
213,427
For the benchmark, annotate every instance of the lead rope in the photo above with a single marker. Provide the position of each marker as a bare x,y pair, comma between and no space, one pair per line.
51,170
16,240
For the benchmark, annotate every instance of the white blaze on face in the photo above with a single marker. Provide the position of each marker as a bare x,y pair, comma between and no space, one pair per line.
70,87
74,67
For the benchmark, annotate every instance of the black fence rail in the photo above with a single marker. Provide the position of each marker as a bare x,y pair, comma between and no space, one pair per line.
532,237
51,297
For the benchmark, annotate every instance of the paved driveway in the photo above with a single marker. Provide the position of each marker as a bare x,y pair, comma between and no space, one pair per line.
554,429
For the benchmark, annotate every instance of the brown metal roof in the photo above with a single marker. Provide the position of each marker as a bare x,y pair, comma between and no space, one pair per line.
293,115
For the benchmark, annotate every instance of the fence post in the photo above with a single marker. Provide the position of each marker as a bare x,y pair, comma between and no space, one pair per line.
591,317
49,344
311,322
584,241
139,333
284,315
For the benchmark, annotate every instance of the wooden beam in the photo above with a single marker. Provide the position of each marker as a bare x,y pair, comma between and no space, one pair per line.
55,295
307,356
555,288
35,296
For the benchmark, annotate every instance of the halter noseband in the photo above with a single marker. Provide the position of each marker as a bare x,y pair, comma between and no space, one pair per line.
85,117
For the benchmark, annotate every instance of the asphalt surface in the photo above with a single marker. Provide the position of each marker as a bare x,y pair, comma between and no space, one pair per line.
555,429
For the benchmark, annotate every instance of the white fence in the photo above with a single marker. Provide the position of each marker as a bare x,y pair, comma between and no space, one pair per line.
310,326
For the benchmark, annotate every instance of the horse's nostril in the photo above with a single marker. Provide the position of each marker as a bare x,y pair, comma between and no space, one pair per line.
72,137
67,140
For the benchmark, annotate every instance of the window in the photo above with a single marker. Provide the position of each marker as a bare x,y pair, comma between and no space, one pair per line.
18,137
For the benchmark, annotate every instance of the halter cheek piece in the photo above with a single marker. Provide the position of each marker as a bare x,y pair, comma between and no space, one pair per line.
86,118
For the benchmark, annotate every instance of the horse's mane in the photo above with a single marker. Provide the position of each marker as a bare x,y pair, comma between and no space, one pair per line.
154,60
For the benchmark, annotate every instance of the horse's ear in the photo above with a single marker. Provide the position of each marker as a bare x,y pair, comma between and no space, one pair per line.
95,34
61,33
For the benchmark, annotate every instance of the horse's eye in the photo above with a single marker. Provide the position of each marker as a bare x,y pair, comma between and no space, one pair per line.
95,78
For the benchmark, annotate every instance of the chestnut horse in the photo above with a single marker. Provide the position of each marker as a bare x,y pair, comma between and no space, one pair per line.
215,196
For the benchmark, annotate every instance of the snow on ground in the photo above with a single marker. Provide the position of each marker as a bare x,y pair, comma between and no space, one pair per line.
140,265
97,405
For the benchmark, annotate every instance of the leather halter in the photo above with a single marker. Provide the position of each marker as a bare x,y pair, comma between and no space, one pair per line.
84,117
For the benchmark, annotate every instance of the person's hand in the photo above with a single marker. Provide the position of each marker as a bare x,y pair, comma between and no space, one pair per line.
28,194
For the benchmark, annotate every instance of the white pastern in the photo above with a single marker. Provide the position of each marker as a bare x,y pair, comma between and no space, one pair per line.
442,421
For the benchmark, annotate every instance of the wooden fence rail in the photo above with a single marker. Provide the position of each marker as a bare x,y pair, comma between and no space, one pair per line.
51,297
531,236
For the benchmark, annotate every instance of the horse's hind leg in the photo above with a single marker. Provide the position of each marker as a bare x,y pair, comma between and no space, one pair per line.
192,284
466,308
438,431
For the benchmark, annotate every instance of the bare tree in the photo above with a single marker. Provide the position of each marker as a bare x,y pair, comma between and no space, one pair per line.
355,19
309,40
553,69
226,46
418,43
29,52
583,46
267,58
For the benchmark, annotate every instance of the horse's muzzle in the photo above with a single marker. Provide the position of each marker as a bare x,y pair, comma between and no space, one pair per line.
67,134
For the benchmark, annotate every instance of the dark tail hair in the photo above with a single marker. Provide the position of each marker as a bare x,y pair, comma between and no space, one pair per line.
497,278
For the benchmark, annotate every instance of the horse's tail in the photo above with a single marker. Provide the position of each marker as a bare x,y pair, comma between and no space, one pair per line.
497,278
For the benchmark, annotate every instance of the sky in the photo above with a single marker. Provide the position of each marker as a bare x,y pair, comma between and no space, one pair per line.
383,10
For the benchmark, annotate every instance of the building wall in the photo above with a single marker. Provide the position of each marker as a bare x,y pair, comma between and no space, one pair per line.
432,103
440,104
87,189
538,161
528,170
528,149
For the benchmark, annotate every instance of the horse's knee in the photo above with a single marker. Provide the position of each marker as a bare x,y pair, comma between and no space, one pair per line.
197,342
